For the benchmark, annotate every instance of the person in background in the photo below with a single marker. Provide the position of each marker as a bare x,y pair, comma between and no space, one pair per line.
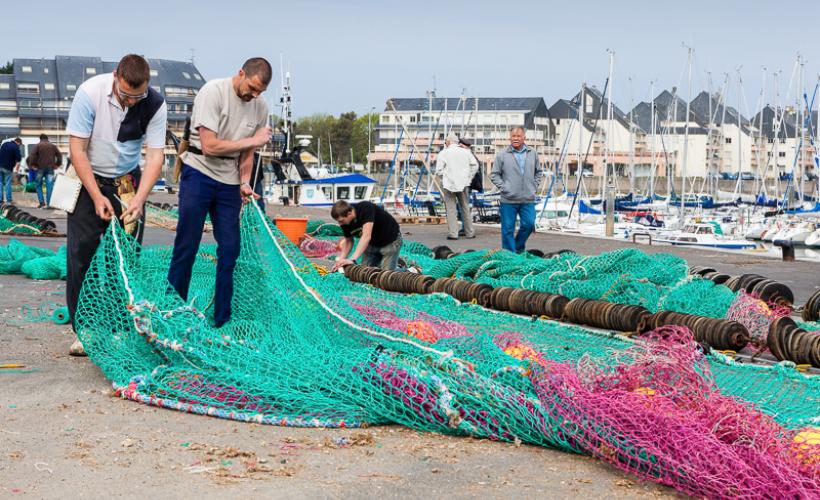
378,232
455,167
44,158
10,157
517,174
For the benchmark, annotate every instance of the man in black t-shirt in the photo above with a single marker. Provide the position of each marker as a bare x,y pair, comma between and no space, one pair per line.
378,233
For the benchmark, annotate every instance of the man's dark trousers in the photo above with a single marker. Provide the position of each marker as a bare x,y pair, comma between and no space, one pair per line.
199,196
85,230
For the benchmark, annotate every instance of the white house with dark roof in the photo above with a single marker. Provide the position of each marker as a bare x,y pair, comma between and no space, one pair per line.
731,136
778,142
617,137
485,121
671,133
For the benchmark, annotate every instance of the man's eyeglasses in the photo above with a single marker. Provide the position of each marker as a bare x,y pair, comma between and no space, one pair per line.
137,97
126,95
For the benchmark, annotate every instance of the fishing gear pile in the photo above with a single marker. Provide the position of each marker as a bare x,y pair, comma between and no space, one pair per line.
307,349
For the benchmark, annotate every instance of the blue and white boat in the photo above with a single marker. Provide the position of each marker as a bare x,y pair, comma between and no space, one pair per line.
706,235
325,192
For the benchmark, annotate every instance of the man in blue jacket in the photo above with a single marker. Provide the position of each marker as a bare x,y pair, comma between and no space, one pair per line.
517,174
10,157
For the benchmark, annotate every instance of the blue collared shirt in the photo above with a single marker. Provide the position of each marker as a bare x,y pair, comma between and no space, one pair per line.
521,157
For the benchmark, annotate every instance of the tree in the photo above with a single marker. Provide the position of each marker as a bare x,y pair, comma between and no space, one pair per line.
341,134
8,69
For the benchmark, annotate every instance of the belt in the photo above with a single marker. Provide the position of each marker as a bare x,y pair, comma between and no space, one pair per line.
195,150
112,181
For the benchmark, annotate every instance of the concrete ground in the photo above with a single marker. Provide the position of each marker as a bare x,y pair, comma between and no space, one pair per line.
63,434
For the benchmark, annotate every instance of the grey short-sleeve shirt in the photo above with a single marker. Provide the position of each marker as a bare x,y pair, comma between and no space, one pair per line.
218,108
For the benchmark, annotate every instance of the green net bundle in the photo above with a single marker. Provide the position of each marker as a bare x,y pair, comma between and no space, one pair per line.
304,349
10,227
627,276
16,253
47,267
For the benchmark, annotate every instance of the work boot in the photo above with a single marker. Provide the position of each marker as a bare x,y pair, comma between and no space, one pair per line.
77,349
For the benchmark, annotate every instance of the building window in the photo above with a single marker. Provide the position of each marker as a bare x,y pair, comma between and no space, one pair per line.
90,71
70,86
153,72
26,69
4,86
156,87
197,77
728,140
48,86
45,70
771,140
186,75
781,154
179,91
28,88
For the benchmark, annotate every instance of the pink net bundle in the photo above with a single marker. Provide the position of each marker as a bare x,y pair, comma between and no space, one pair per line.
756,315
318,248
656,413
422,326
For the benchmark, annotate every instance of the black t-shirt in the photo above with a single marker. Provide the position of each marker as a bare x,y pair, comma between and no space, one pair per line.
385,227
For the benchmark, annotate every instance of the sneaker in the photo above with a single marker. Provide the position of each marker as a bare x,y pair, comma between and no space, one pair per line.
470,237
41,205
77,349
452,237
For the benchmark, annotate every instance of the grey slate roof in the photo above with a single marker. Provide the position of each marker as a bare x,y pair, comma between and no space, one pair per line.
700,105
787,128
670,106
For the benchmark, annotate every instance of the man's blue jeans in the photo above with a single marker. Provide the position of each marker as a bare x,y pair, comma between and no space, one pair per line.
5,184
199,196
525,212
44,176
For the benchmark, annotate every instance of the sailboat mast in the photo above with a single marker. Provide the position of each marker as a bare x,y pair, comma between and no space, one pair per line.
686,137
652,126
800,143
608,133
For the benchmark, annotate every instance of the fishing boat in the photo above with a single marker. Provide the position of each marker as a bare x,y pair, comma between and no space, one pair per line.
325,192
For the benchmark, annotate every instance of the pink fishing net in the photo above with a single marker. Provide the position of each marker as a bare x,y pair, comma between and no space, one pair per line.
655,412
756,315
318,248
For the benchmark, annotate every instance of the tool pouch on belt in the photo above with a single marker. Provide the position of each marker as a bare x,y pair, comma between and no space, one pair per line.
183,146
127,190
126,186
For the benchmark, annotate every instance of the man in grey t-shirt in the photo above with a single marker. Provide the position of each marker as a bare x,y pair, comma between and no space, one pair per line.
228,124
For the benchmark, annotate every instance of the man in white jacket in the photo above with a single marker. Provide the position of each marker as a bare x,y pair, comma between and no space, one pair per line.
456,167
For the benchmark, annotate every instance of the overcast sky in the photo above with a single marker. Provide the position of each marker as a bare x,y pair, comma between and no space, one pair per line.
353,55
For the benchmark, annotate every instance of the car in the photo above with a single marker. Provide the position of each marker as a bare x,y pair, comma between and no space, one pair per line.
747,176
